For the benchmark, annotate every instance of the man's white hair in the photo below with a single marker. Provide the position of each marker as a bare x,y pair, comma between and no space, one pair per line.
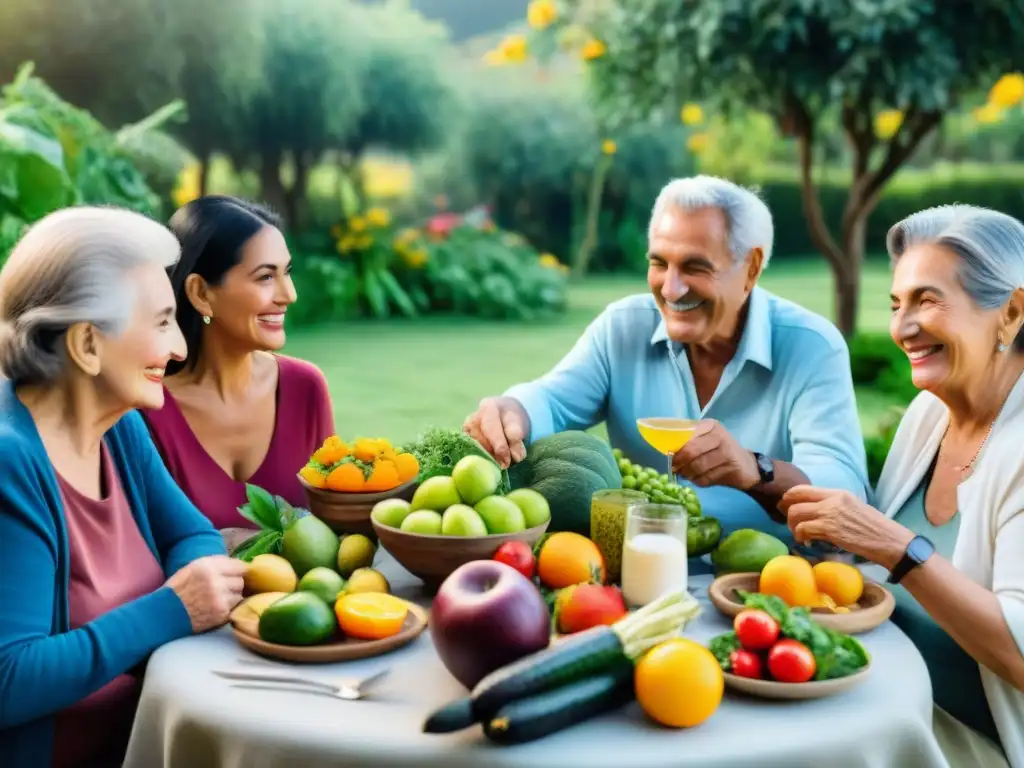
747,217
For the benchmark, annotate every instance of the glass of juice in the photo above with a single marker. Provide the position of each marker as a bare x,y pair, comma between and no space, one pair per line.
667,435
608,510
654,556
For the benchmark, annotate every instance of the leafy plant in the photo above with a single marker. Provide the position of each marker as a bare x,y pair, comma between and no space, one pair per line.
272,515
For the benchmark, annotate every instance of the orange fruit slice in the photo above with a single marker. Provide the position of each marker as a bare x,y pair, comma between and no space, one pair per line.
370,615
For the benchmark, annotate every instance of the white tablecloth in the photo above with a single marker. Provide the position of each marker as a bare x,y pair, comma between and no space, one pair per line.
189,718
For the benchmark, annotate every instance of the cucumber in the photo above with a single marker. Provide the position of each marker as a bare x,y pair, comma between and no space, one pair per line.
551,711
451,717
582,655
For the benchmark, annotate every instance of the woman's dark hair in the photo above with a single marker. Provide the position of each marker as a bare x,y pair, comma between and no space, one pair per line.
212,231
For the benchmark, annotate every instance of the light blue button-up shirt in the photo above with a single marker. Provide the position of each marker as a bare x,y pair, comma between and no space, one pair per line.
787,393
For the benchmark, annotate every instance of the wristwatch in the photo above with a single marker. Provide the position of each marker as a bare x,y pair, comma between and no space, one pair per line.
918,550
765,467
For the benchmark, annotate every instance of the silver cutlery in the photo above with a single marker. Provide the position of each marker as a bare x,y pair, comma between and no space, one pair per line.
350,690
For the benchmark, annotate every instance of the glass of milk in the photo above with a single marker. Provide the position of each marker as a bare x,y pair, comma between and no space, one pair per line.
654,557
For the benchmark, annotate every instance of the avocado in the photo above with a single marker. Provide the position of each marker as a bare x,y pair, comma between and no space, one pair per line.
301,618
746,551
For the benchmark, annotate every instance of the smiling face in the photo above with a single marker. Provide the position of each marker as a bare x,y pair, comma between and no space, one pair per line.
250,303
131,366
696,282
950,341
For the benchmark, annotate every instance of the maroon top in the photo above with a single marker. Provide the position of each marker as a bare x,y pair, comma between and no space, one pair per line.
111,565
302,421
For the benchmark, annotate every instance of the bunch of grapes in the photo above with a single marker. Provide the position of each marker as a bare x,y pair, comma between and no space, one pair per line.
660,488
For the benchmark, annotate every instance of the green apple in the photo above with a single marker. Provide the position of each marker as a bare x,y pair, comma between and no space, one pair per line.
475,478
425,521
534,506
501,515
461,520
436,493
391,512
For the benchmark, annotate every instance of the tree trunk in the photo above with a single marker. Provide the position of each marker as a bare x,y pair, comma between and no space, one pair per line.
590,234
204,173
271,187
295,197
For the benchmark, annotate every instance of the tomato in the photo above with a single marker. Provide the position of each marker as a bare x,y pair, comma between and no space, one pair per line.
745,664
756,630
519,555
790,661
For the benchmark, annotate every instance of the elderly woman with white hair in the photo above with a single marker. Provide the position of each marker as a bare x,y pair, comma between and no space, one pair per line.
103,558
949,522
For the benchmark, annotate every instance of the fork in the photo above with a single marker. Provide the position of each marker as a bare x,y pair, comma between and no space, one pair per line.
350,690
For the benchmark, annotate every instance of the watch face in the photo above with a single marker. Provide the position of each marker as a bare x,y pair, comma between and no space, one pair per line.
920,549
764,464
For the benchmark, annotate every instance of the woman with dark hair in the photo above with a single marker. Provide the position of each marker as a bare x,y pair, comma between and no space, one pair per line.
235,413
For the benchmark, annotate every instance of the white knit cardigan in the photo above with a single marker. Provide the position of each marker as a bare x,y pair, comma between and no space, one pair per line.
990,545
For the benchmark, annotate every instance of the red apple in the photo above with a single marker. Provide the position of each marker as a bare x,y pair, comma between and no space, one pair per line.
519,555
485,615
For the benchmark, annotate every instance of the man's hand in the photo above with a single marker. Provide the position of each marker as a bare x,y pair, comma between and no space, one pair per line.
713,457
500,425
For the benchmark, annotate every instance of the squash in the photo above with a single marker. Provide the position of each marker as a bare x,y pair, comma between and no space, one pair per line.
566,469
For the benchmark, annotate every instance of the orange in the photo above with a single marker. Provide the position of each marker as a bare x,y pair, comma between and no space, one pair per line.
790,578
370,615
384,476
313,476
366,449
841,582
408,466
347,478
568,558
679,683
331,452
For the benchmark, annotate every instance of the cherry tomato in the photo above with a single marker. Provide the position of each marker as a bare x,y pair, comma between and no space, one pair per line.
756,630
519,555
745,664
790,661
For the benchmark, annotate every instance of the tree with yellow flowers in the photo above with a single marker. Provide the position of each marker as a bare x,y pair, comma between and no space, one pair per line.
889,70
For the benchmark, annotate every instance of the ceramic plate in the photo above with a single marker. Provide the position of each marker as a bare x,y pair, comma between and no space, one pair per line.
769,689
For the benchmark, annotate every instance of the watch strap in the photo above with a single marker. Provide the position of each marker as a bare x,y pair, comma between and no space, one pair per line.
918,550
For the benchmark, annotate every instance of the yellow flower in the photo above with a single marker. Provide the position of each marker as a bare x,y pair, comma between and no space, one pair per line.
990,113
608,147
593,49
187,188
363,242
357,224
691,114
541,13
378,217
697,142
406,236
1008,90
414,259
346,244
549,260
513,49
887,122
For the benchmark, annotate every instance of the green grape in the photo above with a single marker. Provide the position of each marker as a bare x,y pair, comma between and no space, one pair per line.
617,453
645,488
629,482
636,471
623,465
658,497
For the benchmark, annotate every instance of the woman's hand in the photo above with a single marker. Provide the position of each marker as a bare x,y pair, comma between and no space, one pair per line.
209,588
841,519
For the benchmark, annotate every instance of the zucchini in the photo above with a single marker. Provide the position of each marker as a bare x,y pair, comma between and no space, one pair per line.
604,649
545,713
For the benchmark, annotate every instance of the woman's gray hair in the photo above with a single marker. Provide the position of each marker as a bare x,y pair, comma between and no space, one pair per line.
989,245
72,267
746,215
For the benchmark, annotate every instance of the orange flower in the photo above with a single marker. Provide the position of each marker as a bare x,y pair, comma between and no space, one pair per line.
313,476
593,49
384,476
347,478
408,467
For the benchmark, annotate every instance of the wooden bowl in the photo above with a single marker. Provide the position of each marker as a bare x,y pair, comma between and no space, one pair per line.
350,512
874,607
340,648
432,558
770,689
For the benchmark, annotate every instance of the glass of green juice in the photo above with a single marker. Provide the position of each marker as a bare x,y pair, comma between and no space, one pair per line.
608,512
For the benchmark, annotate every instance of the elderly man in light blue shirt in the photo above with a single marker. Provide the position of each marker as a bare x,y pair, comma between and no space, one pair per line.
768,380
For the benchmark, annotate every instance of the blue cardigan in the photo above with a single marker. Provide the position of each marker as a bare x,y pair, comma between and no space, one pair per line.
44,666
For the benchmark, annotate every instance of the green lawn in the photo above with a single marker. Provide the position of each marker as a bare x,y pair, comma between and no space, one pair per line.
395,378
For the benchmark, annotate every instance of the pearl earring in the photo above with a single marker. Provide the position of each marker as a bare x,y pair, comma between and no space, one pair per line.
206,319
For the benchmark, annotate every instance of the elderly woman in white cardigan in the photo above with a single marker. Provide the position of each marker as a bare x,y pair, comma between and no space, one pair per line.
949,522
